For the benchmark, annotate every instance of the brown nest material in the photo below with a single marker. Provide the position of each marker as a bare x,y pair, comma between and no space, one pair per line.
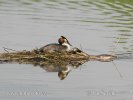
35,57
32,56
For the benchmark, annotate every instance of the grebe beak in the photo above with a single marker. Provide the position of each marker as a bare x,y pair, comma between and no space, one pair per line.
69,43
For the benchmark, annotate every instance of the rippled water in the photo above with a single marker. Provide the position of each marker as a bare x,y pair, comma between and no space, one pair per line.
95,26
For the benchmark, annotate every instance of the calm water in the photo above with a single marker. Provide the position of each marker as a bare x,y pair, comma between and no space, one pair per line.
95,26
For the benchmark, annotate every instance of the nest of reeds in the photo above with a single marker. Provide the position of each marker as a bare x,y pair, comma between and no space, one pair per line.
74,57
35,57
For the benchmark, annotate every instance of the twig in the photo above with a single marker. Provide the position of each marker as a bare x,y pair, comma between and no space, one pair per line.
117,70
117,43
6,49
81,47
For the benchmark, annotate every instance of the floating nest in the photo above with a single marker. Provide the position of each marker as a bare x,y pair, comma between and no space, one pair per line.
33,56
38,58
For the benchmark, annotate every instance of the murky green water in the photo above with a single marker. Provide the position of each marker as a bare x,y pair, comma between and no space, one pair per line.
96,26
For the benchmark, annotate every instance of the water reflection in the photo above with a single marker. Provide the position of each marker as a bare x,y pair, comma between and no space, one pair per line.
123,47
63,68
108,13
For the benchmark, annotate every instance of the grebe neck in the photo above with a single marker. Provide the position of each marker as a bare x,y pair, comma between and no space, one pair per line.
67,45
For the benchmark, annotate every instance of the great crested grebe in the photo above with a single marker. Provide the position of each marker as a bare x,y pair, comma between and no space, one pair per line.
62,45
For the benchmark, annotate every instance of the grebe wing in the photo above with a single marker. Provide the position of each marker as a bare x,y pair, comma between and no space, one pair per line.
50,48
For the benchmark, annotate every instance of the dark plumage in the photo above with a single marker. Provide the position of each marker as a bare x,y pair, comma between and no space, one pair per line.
53,47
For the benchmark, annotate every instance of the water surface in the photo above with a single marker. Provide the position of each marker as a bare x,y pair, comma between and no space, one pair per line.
95,26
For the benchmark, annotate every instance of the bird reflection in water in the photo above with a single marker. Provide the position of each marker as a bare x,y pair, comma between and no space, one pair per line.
63,68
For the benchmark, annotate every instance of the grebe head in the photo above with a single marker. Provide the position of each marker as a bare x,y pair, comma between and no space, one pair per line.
64,42
63,74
